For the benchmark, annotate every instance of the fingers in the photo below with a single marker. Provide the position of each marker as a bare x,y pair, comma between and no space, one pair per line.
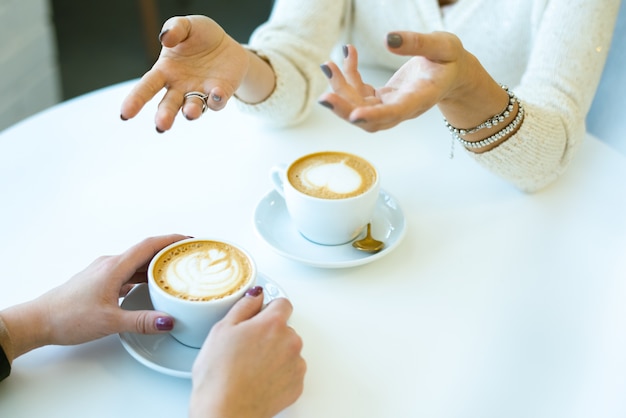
140,254
175,30
145,322
436,46
247,307
150,84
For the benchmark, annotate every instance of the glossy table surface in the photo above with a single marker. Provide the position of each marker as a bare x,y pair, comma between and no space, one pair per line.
491,302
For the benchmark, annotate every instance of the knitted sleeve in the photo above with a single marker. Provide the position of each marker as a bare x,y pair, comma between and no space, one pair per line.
297,38
5,351
557,89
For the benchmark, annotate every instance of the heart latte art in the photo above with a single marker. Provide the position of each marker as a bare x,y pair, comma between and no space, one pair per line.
331,175
202,270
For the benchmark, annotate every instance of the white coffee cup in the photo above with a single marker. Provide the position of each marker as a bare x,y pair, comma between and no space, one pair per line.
330,195
197,281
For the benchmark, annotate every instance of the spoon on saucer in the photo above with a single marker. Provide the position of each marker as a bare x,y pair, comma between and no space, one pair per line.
368,244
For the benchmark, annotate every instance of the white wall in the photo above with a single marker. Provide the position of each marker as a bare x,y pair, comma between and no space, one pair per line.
29,73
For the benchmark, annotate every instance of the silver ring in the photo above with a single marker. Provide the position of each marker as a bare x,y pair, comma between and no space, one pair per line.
198,95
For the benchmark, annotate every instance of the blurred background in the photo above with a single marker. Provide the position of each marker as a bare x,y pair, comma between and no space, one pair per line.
60,49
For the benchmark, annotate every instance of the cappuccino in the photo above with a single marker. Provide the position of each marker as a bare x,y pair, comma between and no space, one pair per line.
202,270
331,175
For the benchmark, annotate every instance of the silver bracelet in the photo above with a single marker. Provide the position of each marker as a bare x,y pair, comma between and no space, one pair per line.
492,121
511,127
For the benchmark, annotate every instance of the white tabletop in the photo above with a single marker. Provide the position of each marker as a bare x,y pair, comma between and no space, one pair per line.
495,304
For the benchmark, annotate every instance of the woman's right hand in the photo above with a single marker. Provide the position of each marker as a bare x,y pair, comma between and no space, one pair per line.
251,363
197,55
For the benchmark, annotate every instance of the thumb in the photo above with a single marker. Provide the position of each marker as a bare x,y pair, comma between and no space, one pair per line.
246,307
146,322
436,46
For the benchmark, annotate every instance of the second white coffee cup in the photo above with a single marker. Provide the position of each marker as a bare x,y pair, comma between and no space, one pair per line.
197,281
330,195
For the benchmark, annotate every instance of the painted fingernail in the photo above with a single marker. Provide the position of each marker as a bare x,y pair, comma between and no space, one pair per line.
164,323
358,121
345,51
394,40
326,70
163,32
159,130
326,104
216,98
254,291
122,117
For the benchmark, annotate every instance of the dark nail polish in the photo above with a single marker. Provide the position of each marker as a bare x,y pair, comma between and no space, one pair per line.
159,130
357,121
326,70
122,117
163,32
394,40
345,51
164,323
326,104
254,291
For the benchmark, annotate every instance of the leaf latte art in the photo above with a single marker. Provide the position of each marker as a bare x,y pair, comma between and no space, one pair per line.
202,270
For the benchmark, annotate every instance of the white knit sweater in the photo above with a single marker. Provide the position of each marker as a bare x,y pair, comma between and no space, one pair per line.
549,52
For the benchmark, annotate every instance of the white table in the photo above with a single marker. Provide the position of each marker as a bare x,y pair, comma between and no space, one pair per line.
495,304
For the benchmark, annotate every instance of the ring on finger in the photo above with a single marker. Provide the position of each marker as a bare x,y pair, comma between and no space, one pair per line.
198,95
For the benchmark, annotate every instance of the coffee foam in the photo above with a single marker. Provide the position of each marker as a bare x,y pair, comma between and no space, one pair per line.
332,175
202,270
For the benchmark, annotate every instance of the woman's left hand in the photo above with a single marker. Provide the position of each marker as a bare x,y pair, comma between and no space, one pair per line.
433,74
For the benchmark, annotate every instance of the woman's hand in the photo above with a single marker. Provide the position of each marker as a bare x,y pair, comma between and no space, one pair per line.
439,72
197,55
250,365
86,307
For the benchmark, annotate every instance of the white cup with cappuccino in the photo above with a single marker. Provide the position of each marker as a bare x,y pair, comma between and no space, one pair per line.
330,195
197,281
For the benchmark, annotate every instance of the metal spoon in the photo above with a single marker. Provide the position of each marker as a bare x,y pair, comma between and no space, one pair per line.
368,244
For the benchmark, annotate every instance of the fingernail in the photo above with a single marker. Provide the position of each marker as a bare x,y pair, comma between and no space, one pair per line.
122,117
254,291
357,121
345,51
159,130
394,40
163,32
164,323
326,69
326,104
216,98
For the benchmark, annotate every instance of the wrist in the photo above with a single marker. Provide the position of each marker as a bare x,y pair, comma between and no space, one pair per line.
26,329
259,81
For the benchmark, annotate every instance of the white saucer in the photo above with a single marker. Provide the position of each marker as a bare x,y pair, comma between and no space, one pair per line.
273,225
162,352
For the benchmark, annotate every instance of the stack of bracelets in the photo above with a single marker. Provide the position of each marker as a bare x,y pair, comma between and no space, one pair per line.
491,122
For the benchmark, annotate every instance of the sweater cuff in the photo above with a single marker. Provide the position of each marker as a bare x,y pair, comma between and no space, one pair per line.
5,351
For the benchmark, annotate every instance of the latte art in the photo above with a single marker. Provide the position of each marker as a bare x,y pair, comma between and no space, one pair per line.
332,175
202,270
337,178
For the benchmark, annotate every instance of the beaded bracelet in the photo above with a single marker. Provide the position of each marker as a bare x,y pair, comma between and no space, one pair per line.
492,121
511,127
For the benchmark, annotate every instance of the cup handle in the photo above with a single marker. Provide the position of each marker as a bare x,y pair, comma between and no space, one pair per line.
277,176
